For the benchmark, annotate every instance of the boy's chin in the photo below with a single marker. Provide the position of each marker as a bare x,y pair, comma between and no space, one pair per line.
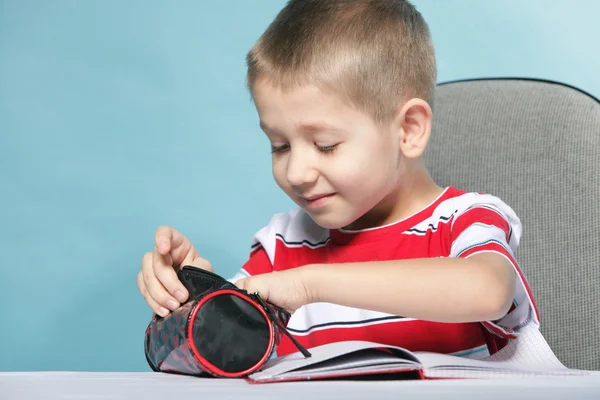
330,220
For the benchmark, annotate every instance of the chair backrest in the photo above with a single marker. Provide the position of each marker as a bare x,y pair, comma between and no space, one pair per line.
536,145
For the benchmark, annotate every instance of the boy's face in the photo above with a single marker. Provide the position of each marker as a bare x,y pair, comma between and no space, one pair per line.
331,159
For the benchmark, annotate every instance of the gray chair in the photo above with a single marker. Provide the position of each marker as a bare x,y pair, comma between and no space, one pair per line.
536,145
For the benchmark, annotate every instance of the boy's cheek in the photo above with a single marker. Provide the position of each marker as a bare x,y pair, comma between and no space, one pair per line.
351,176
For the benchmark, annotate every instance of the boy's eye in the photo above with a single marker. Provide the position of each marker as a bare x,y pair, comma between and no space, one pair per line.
285,147
327,149
279,149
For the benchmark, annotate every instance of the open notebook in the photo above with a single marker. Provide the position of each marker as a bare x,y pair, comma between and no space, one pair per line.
529,355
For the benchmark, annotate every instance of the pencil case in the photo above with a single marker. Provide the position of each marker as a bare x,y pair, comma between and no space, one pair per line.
221,331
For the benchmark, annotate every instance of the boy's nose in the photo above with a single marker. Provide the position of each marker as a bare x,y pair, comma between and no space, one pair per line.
300,170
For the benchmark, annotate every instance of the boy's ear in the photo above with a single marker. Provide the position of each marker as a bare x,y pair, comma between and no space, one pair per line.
413,124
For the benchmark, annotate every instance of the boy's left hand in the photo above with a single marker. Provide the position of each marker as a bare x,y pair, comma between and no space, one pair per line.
285,289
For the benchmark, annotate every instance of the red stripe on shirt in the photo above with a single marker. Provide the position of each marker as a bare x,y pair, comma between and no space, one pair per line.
258,263
480,215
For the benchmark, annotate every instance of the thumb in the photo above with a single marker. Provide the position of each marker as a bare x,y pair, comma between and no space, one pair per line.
254,285
199,262
241,283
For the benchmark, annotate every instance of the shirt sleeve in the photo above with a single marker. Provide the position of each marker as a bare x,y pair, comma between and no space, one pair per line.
494,227
257,263
294,225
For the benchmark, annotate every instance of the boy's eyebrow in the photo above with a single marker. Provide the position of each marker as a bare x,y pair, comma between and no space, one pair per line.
317,127
308,127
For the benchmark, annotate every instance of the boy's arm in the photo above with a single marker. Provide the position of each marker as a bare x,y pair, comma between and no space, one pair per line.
477,281
478,288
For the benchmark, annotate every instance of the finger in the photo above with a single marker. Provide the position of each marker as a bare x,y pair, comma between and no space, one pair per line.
167,277
156,308
257,285
163,239
199,262
248,284
154,287
241,284
140,284
170,241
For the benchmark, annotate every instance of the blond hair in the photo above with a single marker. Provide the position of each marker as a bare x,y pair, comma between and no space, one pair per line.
373,53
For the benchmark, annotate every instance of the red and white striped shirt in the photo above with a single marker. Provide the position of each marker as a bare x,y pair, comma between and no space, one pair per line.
456,224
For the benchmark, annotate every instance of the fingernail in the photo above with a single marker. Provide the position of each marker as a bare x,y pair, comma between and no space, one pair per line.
172,304
180,296
163,312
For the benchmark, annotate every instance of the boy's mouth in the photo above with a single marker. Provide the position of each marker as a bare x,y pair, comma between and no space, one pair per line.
315,201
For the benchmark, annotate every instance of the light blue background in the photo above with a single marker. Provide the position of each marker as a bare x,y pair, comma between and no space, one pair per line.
117,117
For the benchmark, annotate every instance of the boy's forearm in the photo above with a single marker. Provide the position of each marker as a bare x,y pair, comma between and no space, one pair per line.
436,289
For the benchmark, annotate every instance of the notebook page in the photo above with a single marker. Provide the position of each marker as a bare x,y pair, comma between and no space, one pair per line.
330,351
527,355
358,370
444,365
493,373
367,359
530,349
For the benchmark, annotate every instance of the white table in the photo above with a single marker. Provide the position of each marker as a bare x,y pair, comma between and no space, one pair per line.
150,385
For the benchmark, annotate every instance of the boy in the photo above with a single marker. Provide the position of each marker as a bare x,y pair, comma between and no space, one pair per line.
377,250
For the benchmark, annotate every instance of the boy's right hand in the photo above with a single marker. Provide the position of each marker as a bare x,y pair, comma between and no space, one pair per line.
157,281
